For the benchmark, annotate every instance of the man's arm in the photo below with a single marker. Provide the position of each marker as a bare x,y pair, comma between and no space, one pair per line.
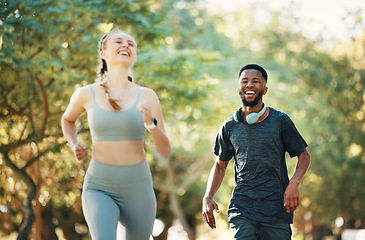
214,182
291,195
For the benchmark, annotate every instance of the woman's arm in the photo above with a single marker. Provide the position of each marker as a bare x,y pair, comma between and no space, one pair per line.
68,122
150,108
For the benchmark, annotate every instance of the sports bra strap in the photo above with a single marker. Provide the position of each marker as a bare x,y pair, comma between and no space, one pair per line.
139,94
92,93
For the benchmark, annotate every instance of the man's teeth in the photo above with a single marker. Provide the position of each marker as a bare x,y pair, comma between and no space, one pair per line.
250,92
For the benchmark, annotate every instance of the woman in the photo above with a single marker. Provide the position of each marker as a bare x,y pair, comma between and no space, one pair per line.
118,182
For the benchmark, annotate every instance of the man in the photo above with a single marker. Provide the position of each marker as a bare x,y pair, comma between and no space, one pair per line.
263,199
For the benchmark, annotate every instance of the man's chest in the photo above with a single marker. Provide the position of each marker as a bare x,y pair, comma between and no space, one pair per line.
259,138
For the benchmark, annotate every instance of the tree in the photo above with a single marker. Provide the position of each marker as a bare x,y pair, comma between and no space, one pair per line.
46,53
184,75
330,109
322,90
47,49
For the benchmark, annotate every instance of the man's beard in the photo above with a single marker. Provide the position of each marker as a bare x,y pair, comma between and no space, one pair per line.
251,103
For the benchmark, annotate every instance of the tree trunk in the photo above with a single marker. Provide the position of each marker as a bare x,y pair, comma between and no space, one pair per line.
67,219
48,227
29,216
175,205
28,209
171,191
164,234
35,174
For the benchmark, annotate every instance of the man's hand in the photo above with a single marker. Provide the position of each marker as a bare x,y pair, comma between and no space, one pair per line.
209,205
292,196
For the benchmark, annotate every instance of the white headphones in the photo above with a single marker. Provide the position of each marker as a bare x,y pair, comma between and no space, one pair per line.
251,118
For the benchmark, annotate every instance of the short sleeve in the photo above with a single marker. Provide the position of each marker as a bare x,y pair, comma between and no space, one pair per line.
293,142
223,147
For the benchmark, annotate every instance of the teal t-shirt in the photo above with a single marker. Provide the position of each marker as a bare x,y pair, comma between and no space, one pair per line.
260,169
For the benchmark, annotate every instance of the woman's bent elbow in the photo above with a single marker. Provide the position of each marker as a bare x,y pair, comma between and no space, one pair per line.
166,152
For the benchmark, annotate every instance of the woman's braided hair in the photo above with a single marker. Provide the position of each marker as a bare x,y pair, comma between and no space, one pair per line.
104,69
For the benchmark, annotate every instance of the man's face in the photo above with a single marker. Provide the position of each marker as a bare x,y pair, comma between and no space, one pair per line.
252,86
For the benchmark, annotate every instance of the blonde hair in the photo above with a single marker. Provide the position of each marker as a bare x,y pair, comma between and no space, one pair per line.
104,69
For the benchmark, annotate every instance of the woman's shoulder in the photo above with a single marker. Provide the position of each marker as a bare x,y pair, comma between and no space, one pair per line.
149,95
85,90
147,91
84,93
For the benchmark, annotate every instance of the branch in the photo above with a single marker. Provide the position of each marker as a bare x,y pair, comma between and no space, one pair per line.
32,160
23,131
52,114
32,138
29,139
196,173
44,103
35,54
160,159
7,106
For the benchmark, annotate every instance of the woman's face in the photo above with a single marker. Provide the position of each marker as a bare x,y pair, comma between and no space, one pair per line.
119,47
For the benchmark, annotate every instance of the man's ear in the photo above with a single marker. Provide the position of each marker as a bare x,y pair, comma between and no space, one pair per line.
265,90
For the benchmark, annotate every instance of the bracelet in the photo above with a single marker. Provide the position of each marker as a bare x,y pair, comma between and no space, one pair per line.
152,125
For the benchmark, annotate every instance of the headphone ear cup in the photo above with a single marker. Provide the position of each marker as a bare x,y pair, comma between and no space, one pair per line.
237,116
252,118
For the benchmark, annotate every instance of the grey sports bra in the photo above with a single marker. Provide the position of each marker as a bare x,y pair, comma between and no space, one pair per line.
106,125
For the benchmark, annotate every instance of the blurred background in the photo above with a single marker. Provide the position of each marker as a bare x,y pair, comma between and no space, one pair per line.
189,52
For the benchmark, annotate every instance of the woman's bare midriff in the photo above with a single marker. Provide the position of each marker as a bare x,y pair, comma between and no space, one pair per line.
125,152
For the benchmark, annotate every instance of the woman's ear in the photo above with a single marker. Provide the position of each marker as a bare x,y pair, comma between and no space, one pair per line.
102,55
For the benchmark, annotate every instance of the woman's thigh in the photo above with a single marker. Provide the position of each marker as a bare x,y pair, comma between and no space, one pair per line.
101,214
139,212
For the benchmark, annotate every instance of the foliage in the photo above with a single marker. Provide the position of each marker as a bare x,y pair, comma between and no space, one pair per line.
48,48
186,86
329,88
190,58
322,90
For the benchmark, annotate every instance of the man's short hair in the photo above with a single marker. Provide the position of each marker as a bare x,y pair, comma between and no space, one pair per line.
256,67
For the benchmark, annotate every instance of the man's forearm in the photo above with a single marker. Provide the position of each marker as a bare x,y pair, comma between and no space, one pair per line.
215,178
302,167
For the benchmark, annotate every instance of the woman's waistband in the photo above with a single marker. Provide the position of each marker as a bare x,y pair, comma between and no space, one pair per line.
118,173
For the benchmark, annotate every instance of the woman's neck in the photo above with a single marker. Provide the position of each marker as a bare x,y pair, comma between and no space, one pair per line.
117,78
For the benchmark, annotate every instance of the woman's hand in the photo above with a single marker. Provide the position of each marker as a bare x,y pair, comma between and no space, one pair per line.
146,110
80,151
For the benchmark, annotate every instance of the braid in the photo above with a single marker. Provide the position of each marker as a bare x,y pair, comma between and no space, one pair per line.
112,102
101,73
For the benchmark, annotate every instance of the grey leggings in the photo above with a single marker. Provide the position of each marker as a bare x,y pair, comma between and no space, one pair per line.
119,193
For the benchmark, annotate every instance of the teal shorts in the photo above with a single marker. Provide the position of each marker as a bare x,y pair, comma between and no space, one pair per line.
124,194
246,229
